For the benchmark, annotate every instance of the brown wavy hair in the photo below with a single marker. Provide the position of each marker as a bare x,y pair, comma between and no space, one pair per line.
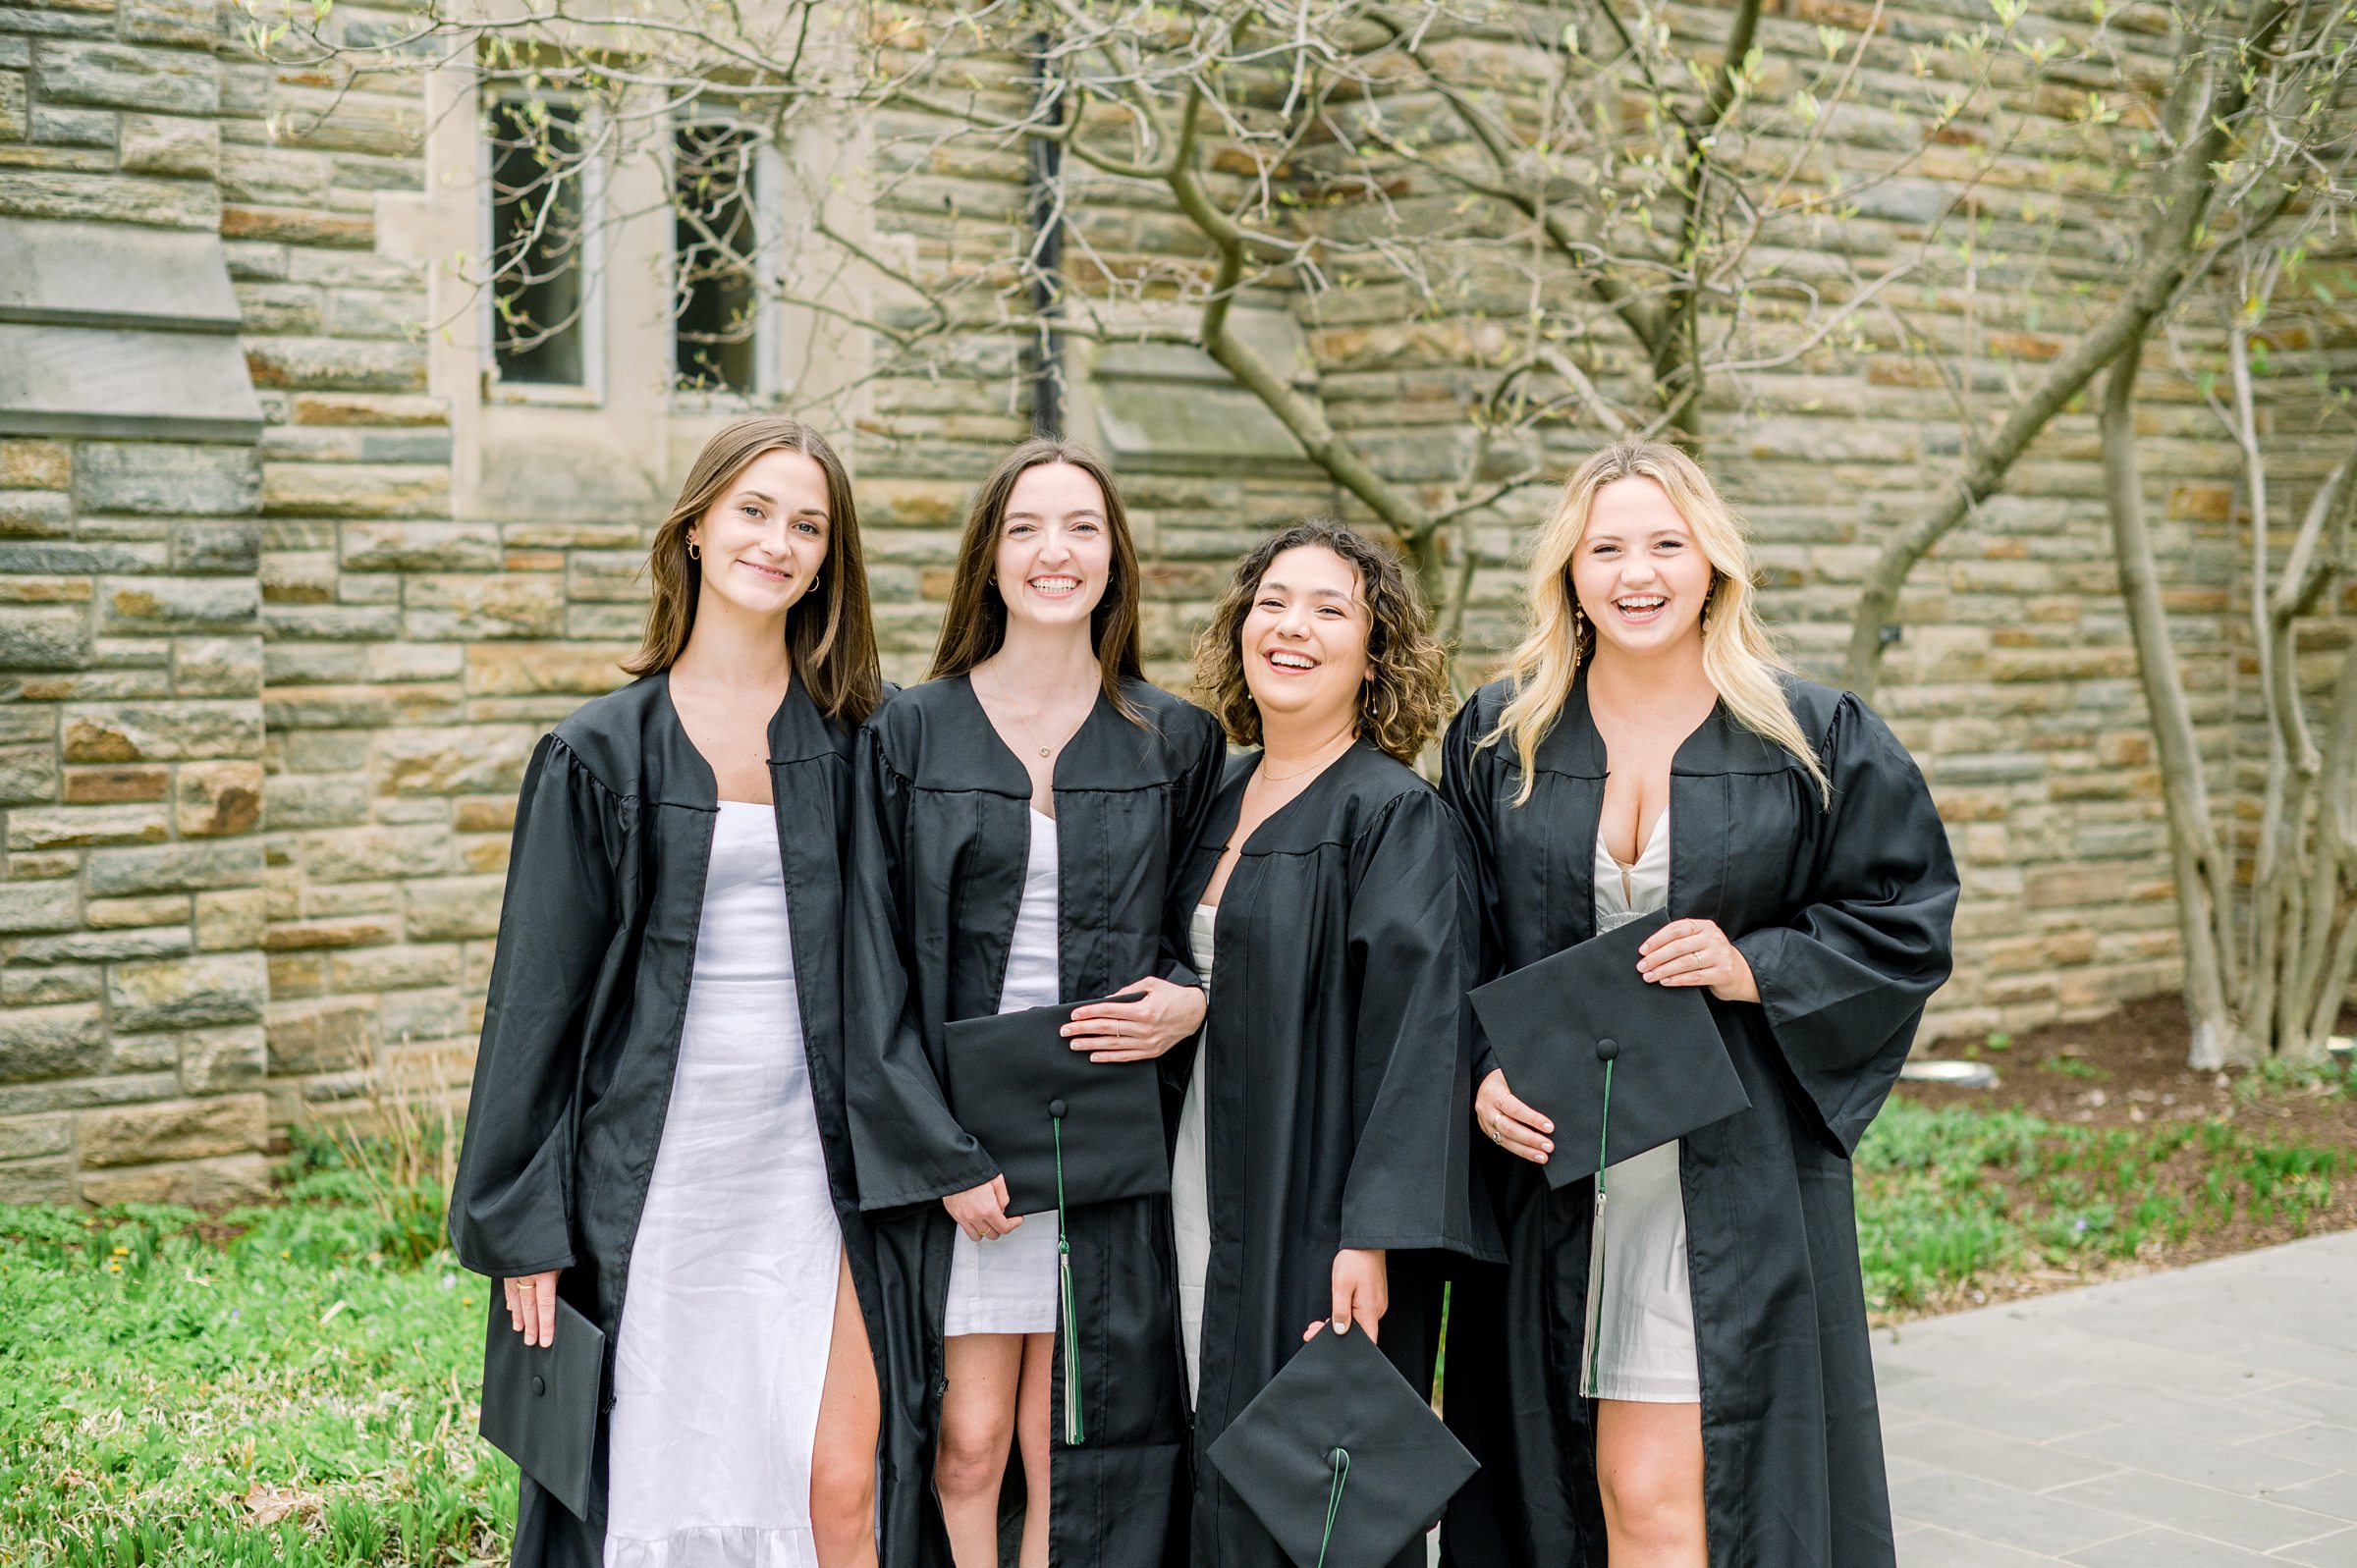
829,634
974,627
1401,708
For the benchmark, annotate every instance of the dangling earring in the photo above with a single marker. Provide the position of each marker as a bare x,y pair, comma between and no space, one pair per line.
695,552
1706,614
1579,622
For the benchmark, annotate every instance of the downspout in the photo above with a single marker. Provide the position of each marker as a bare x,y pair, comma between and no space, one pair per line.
1043,214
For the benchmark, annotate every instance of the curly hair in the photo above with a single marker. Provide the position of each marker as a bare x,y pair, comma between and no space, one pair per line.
1400,708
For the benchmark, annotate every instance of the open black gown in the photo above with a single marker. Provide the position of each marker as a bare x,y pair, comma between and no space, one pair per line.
596,944
1338,1108
1844,915
937,879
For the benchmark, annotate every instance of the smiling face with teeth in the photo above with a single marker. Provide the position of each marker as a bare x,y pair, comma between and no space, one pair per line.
1304,642
1639,574
1055,553
765,540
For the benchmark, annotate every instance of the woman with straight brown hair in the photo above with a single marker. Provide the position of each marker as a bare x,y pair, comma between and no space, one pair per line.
1018,815
657,1135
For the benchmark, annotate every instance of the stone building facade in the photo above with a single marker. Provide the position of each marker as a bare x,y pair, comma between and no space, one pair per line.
291,578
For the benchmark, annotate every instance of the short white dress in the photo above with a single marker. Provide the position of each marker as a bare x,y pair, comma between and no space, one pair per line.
1007,1285
1190,1180
721,1352
1637,1260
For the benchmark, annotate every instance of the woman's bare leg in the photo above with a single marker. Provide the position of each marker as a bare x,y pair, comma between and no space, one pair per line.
1649,1468
1031,1430
843,1456
977,1427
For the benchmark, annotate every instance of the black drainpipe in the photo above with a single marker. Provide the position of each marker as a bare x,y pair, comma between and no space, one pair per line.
1046,222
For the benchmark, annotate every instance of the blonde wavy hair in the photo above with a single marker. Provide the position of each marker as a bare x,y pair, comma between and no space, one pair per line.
1737,653
1400,707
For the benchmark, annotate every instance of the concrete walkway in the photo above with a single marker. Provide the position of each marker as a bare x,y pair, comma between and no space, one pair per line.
2200,1418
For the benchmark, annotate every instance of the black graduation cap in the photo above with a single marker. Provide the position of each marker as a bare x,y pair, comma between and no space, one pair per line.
1617,1064
540,1401
1338,1458
1065,1130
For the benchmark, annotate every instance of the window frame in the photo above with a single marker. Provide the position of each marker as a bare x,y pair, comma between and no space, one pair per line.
590,391
768,230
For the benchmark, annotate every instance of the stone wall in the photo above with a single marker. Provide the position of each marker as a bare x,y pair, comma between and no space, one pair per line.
273,696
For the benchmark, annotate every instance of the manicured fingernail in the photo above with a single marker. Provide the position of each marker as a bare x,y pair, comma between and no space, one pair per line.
1548,1147
1341,1325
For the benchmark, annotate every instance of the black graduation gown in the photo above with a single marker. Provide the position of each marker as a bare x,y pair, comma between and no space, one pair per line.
596,945
942,835
1338,1108
1844,915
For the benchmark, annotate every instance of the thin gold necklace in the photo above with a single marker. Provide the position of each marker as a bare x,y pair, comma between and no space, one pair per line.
1282,777
1045,751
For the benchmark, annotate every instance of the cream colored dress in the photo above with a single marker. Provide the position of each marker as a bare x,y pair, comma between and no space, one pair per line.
1637,1260
1190,1184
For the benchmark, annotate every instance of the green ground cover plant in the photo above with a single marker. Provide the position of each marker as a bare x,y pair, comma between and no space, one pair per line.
293,1385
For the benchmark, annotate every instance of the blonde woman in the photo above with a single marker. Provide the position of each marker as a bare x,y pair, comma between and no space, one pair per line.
1647,751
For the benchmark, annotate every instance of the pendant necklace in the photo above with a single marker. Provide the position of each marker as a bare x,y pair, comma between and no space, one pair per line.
1025,725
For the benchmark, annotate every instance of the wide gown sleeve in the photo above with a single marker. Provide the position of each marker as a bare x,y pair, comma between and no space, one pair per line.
1407,1185
511,1209
1198,790
1845,978
905,1145
1465,787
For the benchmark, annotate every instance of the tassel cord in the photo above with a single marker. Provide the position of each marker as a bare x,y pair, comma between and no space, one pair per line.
1075,1435
1334,1500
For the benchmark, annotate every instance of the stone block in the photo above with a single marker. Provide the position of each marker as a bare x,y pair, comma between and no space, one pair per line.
297,226
232,919
321,1036
212,798
468,759
74,128
76,70
28,773
157,145
274,309
34,464
183,992
272,176
217,667
38,906
376,854
401,968
197,22
93,784
44,637
36,513
128,606
420,547
532,669
461,607
154,476
448,908
26,1137
376,313
23,986
105,947
175,868
215,1061
155,910
355,490
207,1184
109,197
332,365
16,108
66,1042
607,575
163,732
307,800
32,1181
76,827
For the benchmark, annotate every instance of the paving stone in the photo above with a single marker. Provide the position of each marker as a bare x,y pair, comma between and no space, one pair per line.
2253,1523
2007,1413
1965,1450
2336,1550
2167,1549
2324,1445
1929,1546
2227,1421
2334,1494
2249,1470
1986,1511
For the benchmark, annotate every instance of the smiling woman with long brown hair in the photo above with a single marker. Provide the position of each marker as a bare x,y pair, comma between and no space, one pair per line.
1018,815
657,1132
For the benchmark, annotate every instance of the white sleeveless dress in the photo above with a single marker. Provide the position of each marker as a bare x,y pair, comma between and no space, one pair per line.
1190,1181
722,1351
1648,1317
1009,1285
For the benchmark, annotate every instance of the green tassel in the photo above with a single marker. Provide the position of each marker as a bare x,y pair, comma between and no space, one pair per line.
1073,1434
1596,1285
1334,1500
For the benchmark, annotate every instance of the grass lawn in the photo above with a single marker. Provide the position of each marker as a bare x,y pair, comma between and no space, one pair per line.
295,1383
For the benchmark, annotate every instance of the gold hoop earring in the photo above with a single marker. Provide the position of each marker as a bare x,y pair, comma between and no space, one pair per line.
695,552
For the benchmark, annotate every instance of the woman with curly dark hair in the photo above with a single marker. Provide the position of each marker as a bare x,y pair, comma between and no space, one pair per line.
1323,1143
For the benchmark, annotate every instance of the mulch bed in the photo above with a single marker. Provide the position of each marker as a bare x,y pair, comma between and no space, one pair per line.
2127,1069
